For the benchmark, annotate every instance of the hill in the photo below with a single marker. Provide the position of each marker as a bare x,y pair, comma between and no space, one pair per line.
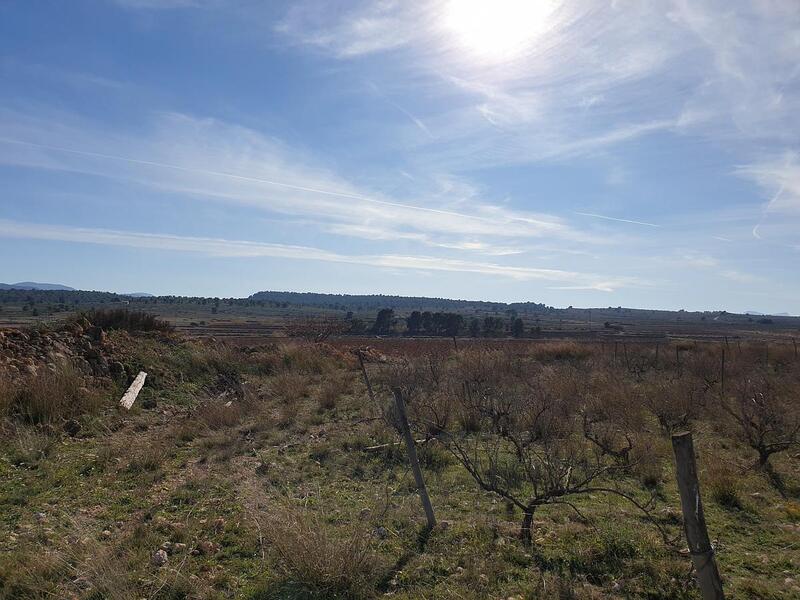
378,301
32,285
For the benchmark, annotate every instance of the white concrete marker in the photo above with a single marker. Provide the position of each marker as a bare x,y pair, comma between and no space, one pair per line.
130,396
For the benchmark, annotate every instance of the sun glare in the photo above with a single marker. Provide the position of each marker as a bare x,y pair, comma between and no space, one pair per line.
497,29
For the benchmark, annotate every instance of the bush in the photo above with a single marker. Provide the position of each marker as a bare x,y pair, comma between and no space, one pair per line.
29,446
50,397
288,387
723,485
332,389
315,559
121,318
560,351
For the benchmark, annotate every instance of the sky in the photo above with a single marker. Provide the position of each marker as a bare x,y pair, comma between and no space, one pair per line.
642,154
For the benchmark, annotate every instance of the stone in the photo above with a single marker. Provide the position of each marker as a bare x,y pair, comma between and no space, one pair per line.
206,547
72,427
160,558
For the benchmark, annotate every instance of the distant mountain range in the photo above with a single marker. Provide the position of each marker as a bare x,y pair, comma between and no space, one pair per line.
57,287
32,285
365,301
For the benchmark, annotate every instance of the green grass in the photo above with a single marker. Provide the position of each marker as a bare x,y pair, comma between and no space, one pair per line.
110,499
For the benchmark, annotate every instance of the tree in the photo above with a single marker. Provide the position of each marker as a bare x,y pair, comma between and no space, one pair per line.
316,329
493,327
414,322
474,327
765,416
517,430
357,326
383,322
517,328
453,324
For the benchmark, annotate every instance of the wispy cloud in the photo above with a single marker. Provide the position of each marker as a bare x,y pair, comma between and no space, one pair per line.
780,178
217,247
210,159
591,78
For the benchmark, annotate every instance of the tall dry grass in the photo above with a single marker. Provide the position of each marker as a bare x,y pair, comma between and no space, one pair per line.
49,397
320,559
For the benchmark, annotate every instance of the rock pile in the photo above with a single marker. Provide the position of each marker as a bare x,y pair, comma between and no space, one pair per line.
25,352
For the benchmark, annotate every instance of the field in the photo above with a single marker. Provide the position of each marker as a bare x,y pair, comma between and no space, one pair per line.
259,466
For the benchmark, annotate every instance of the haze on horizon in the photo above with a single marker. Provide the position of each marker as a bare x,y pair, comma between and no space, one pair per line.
581,153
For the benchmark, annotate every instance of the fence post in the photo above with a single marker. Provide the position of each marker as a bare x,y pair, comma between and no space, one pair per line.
366,377
694,522
412,457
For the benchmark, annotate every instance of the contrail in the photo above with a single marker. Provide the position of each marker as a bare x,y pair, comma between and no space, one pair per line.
282,184
615,219
764,212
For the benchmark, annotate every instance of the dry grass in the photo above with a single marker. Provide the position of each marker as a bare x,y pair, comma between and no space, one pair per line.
29,445
316,557
723,484
288,388
7,394
50,397
217,415
310,359
150,456
333,388
560,351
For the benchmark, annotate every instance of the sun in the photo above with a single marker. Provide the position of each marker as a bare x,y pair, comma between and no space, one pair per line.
496,30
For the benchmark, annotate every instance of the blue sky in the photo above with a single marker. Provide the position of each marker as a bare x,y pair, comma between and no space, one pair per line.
587,154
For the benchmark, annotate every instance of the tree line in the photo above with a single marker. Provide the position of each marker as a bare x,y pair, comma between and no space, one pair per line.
444,324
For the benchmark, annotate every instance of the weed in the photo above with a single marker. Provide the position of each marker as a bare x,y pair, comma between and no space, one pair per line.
52,396
319,560
723,485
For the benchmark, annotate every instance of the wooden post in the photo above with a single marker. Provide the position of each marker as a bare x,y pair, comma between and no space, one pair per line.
615,353
722,375
694,522
794,341
366,377
455,344
412,457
